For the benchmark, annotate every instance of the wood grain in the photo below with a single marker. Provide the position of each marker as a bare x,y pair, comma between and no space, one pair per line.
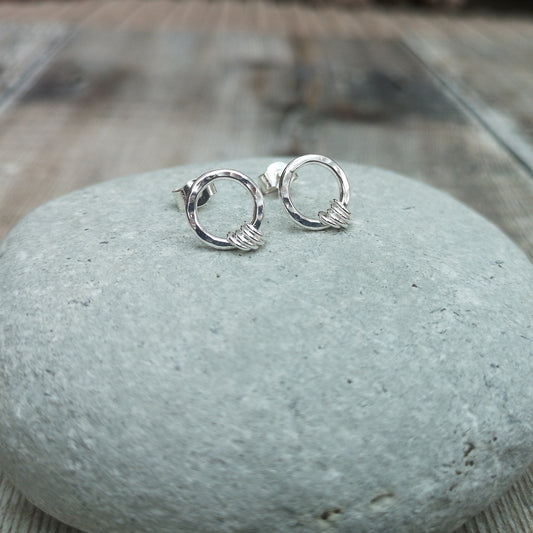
24,53
491,72
94,90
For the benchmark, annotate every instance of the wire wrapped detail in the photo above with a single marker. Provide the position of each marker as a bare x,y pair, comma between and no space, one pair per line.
246,238
337,216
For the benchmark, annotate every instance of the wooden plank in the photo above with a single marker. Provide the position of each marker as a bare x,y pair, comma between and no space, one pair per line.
511,513
492,74
111,14
147,15
24,52
17,515
130,94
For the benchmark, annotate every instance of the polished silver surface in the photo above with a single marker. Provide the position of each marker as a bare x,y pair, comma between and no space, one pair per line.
269,180
180,195
198,191
337,215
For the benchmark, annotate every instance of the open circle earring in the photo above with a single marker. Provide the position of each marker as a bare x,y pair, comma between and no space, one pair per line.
280,176
197,192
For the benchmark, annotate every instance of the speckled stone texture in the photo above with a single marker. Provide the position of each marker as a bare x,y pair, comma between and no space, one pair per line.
371,380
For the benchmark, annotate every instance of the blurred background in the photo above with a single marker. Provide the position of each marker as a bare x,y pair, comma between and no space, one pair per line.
440,90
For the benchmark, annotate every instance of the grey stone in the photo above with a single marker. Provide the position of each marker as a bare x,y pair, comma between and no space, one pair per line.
376,379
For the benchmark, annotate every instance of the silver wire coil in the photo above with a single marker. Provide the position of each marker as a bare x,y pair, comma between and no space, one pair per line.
337,216
246,238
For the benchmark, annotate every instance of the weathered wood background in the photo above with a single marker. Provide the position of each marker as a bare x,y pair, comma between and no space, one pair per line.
92,90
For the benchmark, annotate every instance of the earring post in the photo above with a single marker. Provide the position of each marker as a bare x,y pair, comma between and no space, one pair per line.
181,195
269,180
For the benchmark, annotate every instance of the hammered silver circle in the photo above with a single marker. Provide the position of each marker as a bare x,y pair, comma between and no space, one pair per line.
248,237
287,178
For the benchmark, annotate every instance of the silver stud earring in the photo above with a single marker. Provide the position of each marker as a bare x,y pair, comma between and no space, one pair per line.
279,176
198,192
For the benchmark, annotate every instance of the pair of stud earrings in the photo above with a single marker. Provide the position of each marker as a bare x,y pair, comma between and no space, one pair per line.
278,177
